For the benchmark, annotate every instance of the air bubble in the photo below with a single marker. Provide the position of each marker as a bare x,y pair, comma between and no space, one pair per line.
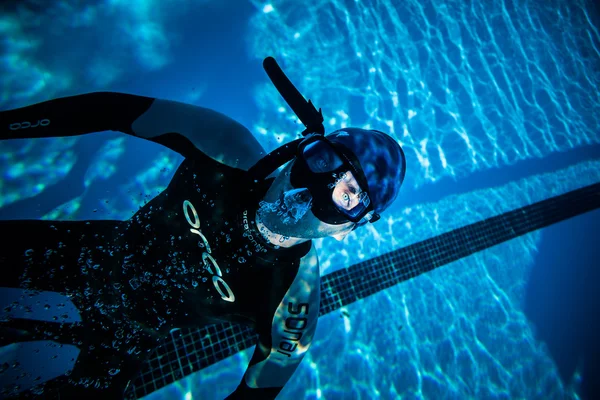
134,282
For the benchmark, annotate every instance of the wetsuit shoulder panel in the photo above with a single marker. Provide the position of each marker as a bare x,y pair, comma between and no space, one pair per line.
211,132
281,348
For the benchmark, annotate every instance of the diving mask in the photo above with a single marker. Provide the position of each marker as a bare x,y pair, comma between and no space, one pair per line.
320,166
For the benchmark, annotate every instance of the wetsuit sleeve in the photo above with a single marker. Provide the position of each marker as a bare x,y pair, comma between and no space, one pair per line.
283,343
183,128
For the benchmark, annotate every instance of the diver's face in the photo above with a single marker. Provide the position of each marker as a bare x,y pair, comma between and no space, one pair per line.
286,211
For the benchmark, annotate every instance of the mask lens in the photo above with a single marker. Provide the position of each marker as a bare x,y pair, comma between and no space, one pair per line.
363,203
320,157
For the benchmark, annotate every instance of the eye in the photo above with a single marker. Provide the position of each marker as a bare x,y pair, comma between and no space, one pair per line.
346,198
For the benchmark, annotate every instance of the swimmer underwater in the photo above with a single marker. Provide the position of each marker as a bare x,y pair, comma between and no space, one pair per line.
220,243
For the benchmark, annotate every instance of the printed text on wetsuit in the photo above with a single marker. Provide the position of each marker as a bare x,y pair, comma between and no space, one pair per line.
207,258
26,124
295,326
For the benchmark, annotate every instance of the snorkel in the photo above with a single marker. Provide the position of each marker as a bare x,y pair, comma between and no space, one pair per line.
293,204
309,191
304,110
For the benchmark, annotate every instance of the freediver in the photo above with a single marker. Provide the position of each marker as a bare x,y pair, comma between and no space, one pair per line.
220,243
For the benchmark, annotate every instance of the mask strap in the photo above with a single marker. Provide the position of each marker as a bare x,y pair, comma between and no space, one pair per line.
275,159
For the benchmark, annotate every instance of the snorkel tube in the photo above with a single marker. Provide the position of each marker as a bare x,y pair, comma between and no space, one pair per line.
304,110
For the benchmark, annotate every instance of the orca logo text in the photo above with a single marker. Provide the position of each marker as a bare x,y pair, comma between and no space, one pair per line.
207,258
26,124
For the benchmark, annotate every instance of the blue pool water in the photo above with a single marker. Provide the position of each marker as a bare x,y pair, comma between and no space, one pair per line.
496,104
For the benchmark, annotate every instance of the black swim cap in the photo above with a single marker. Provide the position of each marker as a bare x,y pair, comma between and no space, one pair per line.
381,159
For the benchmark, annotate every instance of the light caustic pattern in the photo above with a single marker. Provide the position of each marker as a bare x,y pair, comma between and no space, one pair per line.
456,332
18,165
41,44
39,50
464,86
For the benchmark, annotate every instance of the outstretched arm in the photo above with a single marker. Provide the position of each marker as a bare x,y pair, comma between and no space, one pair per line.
283,343
181,127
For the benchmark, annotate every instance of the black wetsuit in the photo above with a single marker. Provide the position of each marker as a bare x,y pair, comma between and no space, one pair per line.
189,257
